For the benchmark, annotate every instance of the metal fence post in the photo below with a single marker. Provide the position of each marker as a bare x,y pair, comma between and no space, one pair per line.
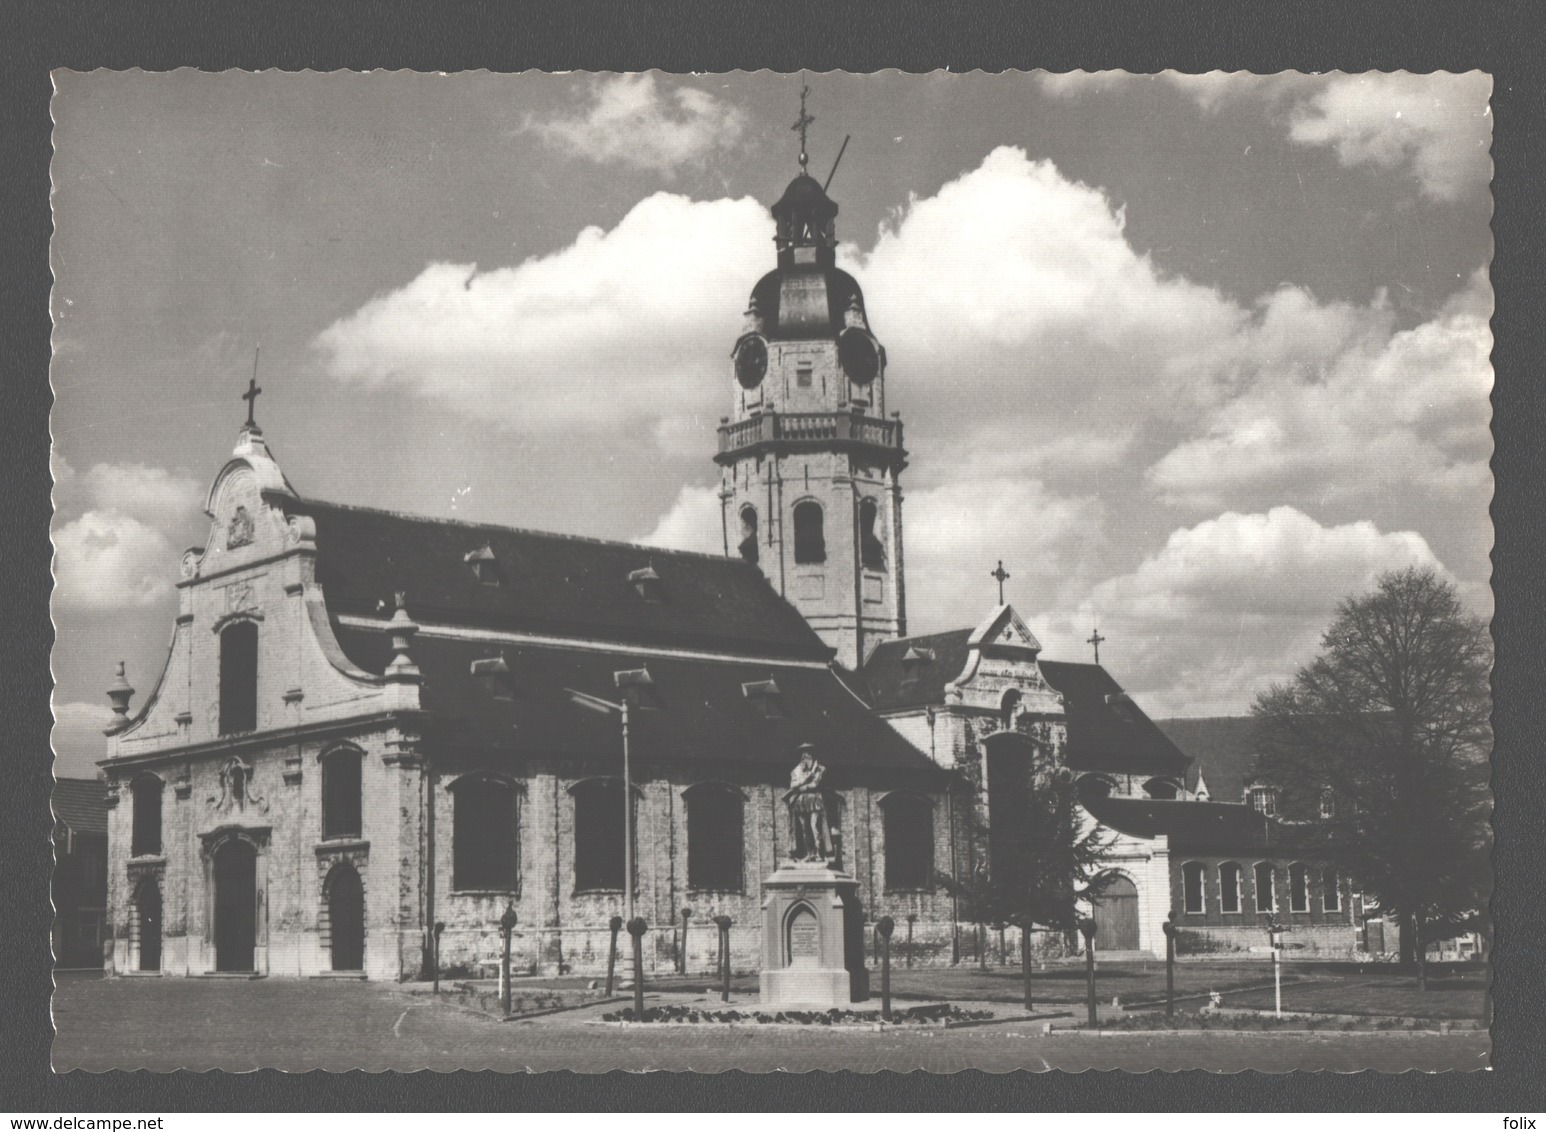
637,928
885,925
1087,928
723,922
616,926
506,926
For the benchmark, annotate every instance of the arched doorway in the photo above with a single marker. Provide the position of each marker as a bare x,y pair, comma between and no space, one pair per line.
1116,917
236,905
147,920
346,918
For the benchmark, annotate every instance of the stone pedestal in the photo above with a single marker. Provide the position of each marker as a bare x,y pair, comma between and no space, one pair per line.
812,939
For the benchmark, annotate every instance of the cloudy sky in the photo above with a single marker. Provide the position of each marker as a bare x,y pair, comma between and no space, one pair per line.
1196,356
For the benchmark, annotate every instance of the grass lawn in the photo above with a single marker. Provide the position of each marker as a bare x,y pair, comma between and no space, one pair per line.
1450,997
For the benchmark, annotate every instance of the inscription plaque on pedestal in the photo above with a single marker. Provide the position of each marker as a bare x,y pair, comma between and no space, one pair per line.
804,940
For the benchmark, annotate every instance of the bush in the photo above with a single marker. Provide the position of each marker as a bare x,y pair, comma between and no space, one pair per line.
914,1015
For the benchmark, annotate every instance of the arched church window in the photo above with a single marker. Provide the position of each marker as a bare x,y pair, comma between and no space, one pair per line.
1191,886
598,835
239,677
715,837
341,793
1007,708
810,540
1265,896
748,544
872,552
1229,887
484,835
145,838
909,842
1298,888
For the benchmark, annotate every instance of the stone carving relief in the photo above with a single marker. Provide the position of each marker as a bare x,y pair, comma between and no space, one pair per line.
236,789
239,532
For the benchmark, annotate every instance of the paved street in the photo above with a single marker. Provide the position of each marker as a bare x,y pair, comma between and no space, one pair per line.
310,1024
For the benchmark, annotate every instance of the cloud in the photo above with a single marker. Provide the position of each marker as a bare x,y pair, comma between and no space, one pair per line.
624,327
631,121
118,553
692,522
1438,126
1230,604
77,737
1343,406
105,560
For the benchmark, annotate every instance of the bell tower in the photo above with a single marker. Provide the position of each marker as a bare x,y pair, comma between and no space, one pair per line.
810,462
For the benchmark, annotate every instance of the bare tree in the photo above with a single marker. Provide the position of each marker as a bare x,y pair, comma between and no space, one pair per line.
1386,737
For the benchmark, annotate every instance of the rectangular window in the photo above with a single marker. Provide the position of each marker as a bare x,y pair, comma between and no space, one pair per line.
802,375
1264,888
1331,891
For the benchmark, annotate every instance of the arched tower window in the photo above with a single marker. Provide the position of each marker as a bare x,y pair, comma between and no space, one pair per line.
872,552
909,842
748,544
239,677
341,793
145,840
810,540
484,835
715,837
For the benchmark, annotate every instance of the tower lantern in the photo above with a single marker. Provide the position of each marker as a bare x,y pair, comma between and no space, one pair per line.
810,461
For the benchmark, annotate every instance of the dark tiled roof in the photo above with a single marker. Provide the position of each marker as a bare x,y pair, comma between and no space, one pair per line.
1205,827
558,584
896,683
81,804
1106,730
703,714
1221,750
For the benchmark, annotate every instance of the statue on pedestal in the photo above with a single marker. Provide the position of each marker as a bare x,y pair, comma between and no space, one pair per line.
808,809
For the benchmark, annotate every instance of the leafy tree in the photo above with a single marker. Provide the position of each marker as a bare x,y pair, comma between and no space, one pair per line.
1042,856
1386,737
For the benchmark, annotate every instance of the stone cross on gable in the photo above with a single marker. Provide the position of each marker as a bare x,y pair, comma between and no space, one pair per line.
1003,576
251,397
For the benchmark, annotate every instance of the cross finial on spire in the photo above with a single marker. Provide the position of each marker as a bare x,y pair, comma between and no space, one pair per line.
251,396
802,123
1003,576
1095,639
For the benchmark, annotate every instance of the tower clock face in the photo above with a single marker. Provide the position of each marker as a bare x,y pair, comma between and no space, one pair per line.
857,355
751,362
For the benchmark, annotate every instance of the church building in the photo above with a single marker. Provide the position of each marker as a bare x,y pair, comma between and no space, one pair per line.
371,724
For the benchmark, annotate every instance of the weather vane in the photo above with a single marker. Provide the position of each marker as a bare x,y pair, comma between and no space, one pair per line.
1095,639
802,123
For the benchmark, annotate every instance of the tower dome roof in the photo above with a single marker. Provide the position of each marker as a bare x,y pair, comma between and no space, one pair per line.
804,302
804,196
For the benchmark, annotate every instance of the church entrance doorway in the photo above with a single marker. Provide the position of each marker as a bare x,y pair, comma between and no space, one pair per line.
1116,917
346,918
236,905
147,916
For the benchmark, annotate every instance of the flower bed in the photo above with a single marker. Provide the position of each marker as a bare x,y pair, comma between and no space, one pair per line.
933,1015
1236,1020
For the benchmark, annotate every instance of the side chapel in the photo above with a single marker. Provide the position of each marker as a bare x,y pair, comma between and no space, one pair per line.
371,722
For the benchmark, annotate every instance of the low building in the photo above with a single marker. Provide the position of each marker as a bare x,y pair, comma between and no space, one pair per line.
80,872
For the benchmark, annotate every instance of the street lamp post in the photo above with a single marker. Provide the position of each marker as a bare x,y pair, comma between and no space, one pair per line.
885,925
1275,934
1087,929
1170,964
506,926
440,926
